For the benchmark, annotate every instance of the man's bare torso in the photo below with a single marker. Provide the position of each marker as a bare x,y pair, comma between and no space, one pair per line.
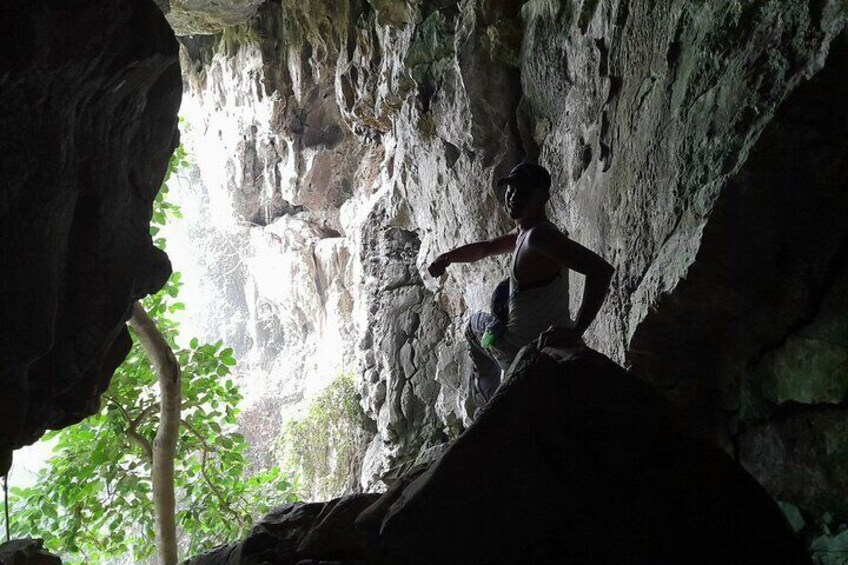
530,266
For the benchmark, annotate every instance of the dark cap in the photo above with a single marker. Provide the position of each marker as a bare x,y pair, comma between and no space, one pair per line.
528,175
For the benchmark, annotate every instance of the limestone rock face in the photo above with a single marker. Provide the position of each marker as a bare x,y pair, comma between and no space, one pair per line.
340,145
404,330
89,97
189,17
801,456
316,122
273,163
696,146
667,132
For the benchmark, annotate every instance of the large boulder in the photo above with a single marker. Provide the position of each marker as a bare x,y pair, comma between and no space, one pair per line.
89,94
577,461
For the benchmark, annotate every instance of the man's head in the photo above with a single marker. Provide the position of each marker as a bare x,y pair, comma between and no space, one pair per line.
527,190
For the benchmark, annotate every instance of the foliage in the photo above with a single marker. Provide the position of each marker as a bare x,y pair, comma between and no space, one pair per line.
323,447
92,502
163,210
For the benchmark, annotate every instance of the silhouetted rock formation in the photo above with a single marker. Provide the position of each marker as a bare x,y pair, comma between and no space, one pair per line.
300,533
88,101
26,552
575,461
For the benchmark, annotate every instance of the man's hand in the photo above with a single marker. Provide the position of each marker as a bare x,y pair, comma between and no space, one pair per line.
559,336
437,267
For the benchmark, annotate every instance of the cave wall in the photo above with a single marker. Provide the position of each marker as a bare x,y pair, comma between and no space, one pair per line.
89,97
304,152
695,145
716,182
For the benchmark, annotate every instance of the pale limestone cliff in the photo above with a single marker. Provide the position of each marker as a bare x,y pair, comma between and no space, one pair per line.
689,145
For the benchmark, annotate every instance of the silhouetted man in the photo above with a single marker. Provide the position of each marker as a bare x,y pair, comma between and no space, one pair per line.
537,297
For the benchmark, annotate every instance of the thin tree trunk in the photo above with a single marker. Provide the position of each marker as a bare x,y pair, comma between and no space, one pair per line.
165,444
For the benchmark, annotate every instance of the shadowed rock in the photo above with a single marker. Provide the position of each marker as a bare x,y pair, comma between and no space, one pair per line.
321,532
26,551
577,461
89,94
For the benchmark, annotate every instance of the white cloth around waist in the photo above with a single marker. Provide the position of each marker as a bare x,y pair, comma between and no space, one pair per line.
533,310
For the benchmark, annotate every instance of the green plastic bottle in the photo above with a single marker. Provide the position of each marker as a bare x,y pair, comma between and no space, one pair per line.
488,339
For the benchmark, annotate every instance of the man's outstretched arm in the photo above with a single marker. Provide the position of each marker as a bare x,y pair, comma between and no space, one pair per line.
473,252
574,256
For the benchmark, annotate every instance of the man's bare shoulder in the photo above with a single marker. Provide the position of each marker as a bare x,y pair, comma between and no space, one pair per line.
503,244
545,232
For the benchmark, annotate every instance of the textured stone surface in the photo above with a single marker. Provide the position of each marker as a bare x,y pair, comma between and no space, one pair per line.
89,96
189,17
771,252
811,366
696,146
273,162
404,329
801,457
311,143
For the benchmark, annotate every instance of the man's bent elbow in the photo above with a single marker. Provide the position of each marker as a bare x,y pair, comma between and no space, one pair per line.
604,271
603,276
607,271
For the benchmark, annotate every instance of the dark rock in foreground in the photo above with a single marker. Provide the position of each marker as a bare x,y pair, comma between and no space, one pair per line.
574,461
319,532
577,461
26,551
89,94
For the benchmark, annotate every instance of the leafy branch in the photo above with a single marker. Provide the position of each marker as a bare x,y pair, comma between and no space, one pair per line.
93,501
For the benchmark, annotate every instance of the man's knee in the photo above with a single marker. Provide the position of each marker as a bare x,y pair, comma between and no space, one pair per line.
476,327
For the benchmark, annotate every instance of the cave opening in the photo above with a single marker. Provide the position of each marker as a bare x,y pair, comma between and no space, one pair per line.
328,151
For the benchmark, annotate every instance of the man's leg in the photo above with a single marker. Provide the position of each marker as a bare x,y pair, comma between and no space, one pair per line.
487,371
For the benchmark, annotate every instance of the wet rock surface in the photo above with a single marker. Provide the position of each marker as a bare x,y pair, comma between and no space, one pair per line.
574,461
89,96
